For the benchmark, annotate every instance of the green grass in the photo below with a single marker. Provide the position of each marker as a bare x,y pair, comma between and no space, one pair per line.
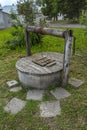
74,108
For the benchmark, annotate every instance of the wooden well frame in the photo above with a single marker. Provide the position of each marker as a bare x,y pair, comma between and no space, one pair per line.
67,35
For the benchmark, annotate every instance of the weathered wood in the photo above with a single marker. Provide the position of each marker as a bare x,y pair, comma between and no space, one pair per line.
47,31
36,76
74,45
44,61
28,47
67,35
27,65
67,55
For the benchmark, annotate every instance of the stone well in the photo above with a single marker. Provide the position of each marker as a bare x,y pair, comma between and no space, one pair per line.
40,70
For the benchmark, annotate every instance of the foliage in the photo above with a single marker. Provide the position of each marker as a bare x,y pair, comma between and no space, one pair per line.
38,2
43,23
27,9
18,33
72,9
50,8
83,19
17,39
35,38
69,8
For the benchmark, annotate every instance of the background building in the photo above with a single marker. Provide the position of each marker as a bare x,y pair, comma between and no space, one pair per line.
5,20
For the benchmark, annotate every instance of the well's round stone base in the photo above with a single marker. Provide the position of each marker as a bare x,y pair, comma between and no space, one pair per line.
33,75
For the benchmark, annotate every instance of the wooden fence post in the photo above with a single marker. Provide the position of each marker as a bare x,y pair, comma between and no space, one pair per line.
74,45
67,55
28,47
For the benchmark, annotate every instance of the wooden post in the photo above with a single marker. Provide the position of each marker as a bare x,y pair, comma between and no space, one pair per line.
67,55
74,45
28,47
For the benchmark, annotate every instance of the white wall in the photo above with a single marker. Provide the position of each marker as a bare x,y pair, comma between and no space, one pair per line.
2,24
5,20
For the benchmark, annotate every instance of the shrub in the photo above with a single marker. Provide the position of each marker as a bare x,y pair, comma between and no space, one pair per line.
18,38
83,19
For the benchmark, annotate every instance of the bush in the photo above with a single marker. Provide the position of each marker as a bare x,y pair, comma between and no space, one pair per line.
35,38
18,34
18,38
83,19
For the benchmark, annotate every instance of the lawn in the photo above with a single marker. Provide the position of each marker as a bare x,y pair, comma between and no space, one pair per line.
74,108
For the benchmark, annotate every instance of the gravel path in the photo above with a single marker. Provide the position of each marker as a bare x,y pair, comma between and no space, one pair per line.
67,25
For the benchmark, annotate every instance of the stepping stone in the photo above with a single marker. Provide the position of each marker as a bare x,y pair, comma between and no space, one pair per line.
16,89
50,109
35,94
75,82
15,106
12,83
60,93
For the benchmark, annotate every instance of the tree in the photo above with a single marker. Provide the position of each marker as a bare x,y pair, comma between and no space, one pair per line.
38,2
72,8
54,9
50,8
46,7
25,8
69,8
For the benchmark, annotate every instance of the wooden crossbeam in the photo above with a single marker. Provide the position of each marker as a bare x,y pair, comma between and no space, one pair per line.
66,34
47,31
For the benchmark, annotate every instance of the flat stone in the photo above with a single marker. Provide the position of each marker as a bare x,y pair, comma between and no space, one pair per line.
35,94
75,82
15,106
50,109
12,83
16,89
60,93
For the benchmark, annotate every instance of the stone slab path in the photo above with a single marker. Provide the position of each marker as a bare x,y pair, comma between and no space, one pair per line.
59,93
50,109
35,94
15,106
75,82
16,89
47,108
67,25
12,83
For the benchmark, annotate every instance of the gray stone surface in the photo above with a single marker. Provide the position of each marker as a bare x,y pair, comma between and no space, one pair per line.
59,93
50,109
12,83
75,82
15,106
16,89
35,76
35,94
